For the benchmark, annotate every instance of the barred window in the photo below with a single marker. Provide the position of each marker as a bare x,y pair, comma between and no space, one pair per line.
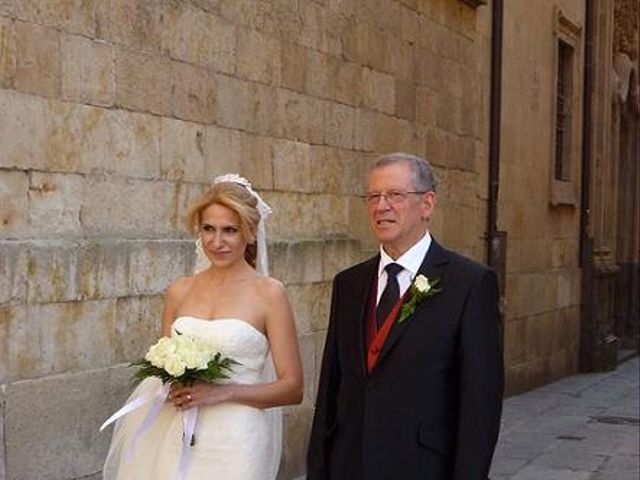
564,95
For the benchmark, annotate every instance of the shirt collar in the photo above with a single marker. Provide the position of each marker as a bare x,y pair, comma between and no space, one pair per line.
409,260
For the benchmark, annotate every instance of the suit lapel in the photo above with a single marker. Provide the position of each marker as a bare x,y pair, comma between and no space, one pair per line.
362,285
432,267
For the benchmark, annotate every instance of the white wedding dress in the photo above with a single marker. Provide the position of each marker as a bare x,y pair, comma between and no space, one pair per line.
232,441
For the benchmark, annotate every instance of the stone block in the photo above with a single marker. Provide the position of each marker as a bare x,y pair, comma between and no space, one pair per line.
101,269
339,125
267,116
222,151
393,134
61,136
310,304
54,204
74,335
301,117
402,62
182,151
186,195
20,345
294,67
153,265
379,91
135,24
144,82
349,83
358,224
364,130
7,8
14,204
234,103
321,74
368,46
514,342
259,57
7,52
426,106
38,64
51,424
256,163
338,255
292,166
312,33
410,25
296,262
338,171
138,325
127,212
75,16
13,272
202,39
428,71
51,273
88,72
405,99
194,93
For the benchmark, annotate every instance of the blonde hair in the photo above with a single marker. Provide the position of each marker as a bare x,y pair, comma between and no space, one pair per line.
236,198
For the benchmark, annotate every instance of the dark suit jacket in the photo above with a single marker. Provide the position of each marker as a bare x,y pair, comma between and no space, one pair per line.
430,409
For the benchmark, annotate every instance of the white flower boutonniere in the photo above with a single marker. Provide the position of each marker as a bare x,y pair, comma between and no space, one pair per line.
420,288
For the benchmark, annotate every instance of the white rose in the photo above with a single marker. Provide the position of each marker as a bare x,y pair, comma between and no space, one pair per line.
159,352
422,284
174,366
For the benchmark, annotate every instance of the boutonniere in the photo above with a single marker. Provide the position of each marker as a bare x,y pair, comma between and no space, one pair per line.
420,288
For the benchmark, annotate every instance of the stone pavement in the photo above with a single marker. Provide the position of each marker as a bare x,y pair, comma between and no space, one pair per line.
583,427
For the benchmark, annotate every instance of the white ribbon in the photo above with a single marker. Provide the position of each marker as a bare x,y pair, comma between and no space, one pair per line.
157,399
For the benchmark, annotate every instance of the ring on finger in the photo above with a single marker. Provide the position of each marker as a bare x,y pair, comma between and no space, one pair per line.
189,397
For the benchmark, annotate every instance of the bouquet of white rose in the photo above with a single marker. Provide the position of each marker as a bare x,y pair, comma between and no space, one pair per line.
183,359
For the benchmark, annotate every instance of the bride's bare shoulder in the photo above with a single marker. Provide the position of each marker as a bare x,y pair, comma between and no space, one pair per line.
270,289
179,287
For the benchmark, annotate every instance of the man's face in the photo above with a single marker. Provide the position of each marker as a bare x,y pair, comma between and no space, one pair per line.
398,221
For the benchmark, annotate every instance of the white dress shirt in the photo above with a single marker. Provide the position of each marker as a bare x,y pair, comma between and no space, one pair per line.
410,261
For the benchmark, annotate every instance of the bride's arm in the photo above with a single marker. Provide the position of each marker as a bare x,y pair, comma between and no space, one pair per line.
285,390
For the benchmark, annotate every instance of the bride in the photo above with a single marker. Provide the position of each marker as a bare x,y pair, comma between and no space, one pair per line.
246,316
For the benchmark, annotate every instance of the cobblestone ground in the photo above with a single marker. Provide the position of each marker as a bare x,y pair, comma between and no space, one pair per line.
584,427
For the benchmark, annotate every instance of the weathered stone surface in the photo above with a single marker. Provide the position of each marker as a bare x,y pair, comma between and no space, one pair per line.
222,151
7,8
60,136
339,125
202,39
153,265
55,196
338,171
234,103
292,167
76,16
14,203
256,162
294,67
7,52
310,303
194,93
88,72
296,262
51,424
144,82
379,91
137,24
138,325
38,64
267,118
13,272
127,213
259,57
182,151
302,117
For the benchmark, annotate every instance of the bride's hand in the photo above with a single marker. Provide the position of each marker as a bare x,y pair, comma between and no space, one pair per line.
199,394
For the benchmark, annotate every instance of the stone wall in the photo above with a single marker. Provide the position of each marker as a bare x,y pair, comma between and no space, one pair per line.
542,327
115,114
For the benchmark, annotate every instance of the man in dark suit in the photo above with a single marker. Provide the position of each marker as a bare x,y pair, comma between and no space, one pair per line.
412,376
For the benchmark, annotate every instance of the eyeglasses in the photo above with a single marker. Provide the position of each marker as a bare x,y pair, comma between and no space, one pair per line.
393,197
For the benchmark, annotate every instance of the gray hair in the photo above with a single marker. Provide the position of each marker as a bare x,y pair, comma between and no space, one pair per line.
424,177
